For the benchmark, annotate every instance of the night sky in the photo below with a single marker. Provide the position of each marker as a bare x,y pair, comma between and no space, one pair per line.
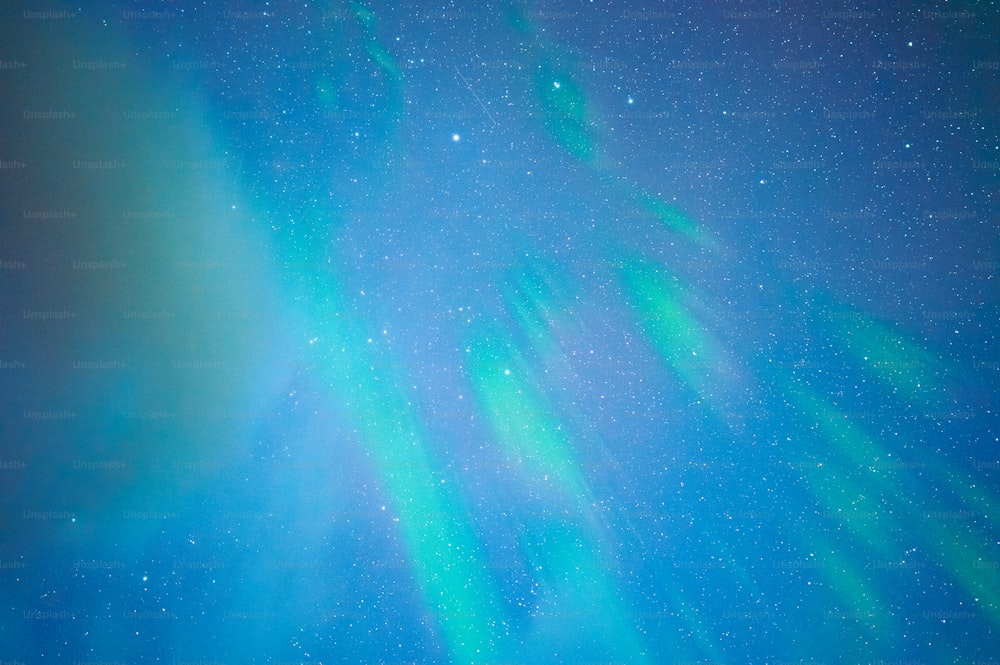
499,332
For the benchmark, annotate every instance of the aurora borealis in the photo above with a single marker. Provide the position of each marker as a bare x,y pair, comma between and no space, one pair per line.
379,332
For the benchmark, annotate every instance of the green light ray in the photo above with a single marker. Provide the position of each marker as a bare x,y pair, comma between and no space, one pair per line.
519,416
565,111
579,584
383,76
442,547
527,294
668,215
959,551
576,588
563,106
660,300
517,18
854,506
543,304
858,601
972,562
888,355
843,481
572,121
